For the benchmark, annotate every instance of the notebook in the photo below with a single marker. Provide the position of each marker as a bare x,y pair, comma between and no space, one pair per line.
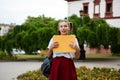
64,42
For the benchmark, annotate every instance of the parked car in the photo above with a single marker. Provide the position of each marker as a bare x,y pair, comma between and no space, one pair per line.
17,51
36,52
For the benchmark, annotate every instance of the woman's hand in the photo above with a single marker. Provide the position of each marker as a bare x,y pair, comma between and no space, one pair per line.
54,45
50,50
73,45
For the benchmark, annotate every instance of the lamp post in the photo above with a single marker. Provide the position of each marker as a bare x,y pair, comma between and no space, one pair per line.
82,51
81,15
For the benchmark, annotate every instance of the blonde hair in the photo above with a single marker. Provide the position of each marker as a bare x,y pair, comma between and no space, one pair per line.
64,21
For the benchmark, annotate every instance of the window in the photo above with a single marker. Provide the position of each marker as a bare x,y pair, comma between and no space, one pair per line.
109,11
109,7
85,8
96,9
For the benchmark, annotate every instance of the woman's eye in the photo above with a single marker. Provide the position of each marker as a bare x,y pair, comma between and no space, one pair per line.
65,25
61,26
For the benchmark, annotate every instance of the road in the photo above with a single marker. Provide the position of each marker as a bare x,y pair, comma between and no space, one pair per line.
10,70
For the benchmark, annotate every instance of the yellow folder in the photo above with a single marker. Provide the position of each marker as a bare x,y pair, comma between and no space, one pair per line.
64,42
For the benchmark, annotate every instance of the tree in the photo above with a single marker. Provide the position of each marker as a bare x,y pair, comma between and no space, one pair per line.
8,43
75,20
34,33
44,36
114,40
102,35
92,40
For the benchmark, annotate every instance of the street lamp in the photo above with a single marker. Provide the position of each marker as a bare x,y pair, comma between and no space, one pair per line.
82,51
81,15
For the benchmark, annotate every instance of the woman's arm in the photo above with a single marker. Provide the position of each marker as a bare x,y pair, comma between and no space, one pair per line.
49,53
77,53
76,47
50,49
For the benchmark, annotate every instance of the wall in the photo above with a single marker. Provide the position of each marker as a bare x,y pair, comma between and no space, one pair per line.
75,6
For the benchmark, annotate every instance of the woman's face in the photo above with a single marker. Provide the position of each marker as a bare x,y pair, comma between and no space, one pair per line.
64,28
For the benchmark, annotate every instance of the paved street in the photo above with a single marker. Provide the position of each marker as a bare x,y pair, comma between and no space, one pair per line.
10,70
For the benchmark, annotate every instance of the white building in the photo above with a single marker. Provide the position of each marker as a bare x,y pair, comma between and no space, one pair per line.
5,28
106,9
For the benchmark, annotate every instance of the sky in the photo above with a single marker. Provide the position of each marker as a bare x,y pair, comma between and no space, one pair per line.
17,11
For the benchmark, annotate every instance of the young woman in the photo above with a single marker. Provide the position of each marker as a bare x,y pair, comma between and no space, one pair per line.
63,67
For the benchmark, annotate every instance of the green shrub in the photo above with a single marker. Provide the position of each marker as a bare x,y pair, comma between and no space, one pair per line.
6,56
2,55
32,75
83,73
98,73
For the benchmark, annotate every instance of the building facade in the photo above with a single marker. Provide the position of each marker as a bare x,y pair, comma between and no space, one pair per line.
105,9
5,28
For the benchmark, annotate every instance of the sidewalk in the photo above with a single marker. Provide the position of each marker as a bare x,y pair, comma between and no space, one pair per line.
109,63
10,70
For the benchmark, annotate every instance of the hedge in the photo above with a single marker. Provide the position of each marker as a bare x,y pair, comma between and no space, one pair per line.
83,73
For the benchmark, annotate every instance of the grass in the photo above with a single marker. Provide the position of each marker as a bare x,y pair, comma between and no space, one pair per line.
102,56
88,56
28,57
42,55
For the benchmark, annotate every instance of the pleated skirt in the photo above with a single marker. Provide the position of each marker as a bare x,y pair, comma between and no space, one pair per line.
62,69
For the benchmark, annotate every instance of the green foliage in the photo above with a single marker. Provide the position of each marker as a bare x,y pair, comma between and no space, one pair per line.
82,34
8,43
6,56
86,20
114,40
40,21
32,75
92,40
36,32
2,43
118,36
19,39
83,73
75,21
103,34
96,32
2,55
98,73
44,36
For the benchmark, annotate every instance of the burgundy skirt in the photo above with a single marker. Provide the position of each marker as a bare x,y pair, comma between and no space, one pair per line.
62,69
